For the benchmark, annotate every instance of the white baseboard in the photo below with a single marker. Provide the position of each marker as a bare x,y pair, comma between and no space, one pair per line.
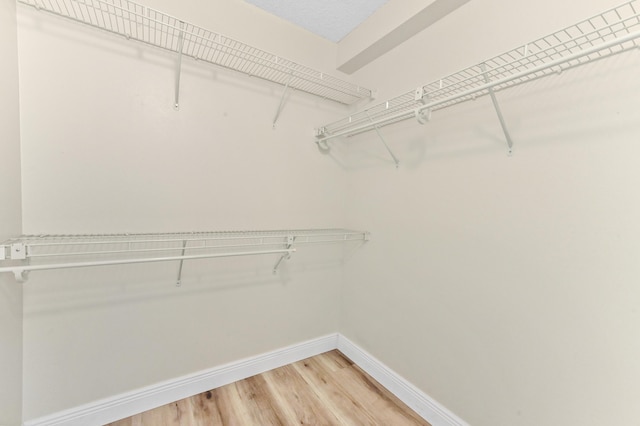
130,403
428,408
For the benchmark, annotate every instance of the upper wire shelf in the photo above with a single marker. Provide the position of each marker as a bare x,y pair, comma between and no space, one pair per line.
610,32
45,252
141,23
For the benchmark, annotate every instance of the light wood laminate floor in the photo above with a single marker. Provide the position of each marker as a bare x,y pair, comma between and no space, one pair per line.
327,389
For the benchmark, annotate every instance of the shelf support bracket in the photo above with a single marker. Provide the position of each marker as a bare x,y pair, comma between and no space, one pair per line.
281,105
176,103
496,105
286,256
20,275
421,97
184,248
375,126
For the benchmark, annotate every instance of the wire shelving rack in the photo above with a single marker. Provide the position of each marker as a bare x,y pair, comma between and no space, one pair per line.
137,22
611,32
46,252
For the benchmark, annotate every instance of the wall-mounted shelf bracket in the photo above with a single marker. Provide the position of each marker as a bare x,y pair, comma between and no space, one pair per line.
18,251
496,105
423,116
395,159
184,249
282,101
323,145
176,103
421,97
20,275
286,256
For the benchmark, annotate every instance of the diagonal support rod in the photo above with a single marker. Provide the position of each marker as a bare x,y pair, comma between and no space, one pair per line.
281,105
176,103
375,126
496,105
287,256
184,248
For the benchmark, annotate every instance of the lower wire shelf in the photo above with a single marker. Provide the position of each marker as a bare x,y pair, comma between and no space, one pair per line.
46,252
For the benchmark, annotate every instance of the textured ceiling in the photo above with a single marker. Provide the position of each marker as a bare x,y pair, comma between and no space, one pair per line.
331,19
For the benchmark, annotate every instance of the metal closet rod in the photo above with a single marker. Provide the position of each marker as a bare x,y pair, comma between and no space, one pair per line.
19,271
151,250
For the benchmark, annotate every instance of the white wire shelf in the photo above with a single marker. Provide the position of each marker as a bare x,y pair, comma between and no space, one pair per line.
45,252
611,32
141,23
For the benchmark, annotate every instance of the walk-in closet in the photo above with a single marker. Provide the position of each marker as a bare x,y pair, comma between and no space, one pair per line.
436,209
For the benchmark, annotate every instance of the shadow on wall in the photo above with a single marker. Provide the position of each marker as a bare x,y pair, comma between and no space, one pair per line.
416,144
66,290
11,292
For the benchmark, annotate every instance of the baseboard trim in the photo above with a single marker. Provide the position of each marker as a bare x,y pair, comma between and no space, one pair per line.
130,403
125,405
428,408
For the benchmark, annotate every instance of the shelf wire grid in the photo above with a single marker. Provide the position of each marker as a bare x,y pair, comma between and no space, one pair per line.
54,249
143,24
613,31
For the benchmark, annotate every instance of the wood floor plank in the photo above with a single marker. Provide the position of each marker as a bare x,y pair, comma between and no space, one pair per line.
206,411
347,410
359,385
299,404
160,416
391,398
334,360
229,404
328,389
260,406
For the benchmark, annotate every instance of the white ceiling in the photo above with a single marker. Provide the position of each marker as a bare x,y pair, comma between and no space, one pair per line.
331,19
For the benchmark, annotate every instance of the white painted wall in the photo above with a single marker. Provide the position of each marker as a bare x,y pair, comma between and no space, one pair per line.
505,288
103,151
10,219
